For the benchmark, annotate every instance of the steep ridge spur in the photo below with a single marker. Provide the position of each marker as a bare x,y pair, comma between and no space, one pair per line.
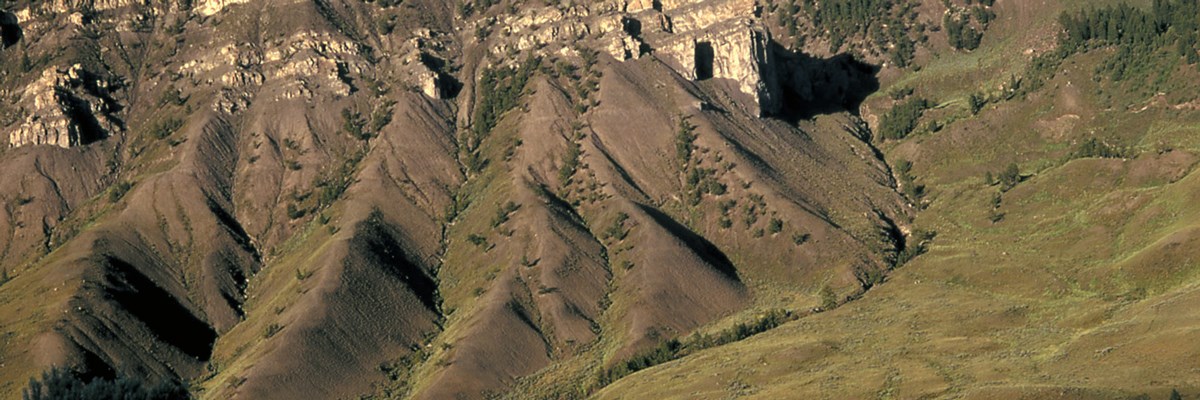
653,212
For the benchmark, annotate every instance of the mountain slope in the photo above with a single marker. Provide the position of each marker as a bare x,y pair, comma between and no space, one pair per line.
615,199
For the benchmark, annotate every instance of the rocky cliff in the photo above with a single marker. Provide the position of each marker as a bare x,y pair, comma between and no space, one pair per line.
723,40
66,108
700,40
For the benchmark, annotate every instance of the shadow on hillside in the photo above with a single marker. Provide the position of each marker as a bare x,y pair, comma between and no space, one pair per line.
698,244
811,86
10,30
379,245
162,313
79,112
448,86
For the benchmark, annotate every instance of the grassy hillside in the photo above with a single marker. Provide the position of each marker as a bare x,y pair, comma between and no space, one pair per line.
1071,283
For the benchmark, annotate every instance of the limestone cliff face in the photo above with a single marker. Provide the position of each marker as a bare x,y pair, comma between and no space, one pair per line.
422,65
739,53
211,7
701,40
69,107
41,18
722,40
66,108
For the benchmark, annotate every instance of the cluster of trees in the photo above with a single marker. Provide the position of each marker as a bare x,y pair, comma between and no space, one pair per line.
590,81
903,47
673,349
570,160
845,18
333,183
917,244
165,127
499,90
829,298
354,124
1169,22
976,102
900,121
665,351
742,330
1146,41
701,181
119,190
685,137
842,20
960,33
467,7
1096,149
1008,178
171,96
698,181
617,231
329,185
385,3
357,126
62,384
908,184
994,214
775,225
503,213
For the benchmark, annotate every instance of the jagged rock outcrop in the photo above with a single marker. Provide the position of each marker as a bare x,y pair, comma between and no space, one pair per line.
39,19
211,7
424,67
66,108
298,65
700,40
739,53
